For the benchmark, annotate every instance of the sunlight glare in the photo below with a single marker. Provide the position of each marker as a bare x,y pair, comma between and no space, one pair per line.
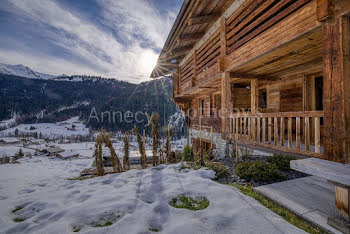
148,60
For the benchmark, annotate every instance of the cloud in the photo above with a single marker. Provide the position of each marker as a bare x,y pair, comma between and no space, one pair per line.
124,46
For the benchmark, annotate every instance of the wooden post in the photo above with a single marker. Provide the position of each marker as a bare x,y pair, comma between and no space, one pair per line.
317,134
263,130
249,128
269,137
307,133
254,95
258,129
275,135
226,103
290,135
245,128
200,134
211,137
282,131
297,140
342,202
234,127
336,99
253,129
237,129
194,79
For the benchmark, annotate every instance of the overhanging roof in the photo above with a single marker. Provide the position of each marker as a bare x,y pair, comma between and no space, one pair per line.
194,19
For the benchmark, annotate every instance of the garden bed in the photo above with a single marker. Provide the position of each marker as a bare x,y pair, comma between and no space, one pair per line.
231,176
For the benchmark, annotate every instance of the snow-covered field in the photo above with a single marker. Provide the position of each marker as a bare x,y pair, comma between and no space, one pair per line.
70,127
136,201
4,124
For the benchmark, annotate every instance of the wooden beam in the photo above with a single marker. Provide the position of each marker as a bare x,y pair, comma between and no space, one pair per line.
254,95
325,9
336,99
177,51
202,19
249,76
190,37
225,103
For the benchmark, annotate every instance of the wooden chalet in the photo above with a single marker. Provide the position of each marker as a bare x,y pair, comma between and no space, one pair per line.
268,73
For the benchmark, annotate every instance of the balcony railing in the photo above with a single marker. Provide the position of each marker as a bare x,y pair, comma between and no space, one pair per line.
287,131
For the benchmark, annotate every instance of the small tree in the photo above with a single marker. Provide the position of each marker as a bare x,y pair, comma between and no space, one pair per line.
141,147
105,138
188,153
169,132
126,162
155,137
18,155
100,171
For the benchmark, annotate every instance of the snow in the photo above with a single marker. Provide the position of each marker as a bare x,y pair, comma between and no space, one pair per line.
68,154
23,71
9,140
7,123
177,120
135,201
11,150
74,106
64,128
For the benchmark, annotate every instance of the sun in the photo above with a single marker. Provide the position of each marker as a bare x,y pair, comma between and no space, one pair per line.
148,60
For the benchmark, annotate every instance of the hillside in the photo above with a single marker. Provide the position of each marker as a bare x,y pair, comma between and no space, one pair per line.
60,98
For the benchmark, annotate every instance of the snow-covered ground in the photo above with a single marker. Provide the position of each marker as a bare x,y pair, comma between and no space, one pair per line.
136,201
4,124
64,128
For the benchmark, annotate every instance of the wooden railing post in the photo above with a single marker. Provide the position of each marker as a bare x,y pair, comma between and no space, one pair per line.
253,129
249,128
245,128
307,133
269,137
258,129
263,130
297,140
275,135
282,131
290,135
317,135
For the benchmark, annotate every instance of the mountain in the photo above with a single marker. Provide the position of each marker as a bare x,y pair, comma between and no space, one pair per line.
102,103
23,71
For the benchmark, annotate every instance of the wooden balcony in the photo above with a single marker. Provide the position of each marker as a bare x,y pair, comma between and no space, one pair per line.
295,132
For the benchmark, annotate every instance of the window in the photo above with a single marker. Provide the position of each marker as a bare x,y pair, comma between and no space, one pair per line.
217,102
262,98
319,93
202,107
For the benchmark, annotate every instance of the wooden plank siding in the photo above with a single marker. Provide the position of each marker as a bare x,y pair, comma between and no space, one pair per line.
263,57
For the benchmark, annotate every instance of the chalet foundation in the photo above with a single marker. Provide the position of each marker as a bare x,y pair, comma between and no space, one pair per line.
272,74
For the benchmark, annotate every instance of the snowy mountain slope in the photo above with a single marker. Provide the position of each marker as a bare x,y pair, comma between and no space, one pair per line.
23,71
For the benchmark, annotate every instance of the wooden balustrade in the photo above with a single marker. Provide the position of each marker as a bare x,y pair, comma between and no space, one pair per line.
297,126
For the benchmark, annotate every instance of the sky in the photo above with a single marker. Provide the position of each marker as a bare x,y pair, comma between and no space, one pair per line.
110,38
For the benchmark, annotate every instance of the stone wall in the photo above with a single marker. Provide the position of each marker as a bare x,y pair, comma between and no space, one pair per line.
220,144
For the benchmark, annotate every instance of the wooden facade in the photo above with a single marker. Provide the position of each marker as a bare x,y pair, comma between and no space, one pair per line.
270,73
